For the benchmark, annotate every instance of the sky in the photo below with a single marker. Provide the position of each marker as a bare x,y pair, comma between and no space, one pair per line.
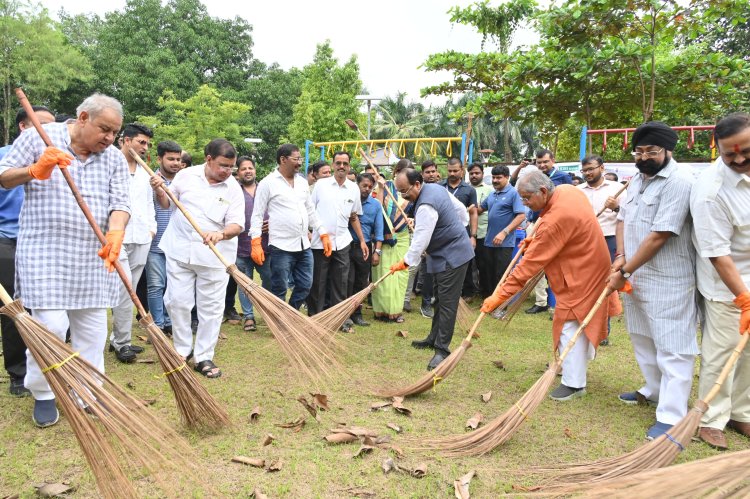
391,38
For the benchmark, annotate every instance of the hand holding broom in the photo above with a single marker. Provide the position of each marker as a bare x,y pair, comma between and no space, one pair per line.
620,191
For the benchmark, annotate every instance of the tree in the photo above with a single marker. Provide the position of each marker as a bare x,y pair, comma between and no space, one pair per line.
35,56
196,121
397,119
327,99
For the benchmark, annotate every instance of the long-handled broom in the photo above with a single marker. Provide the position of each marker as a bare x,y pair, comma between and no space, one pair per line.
432,378
113,428
658,453
502,428
197,407
333,317
305,343
619,191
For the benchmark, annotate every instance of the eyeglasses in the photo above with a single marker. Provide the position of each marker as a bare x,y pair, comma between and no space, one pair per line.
144,143
590,170
646,154
404,193
296,159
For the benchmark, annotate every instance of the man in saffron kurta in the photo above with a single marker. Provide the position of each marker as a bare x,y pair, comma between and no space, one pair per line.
566,231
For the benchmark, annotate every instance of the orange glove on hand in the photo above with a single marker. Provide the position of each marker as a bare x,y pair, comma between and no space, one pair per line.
492,302
256,251
626,288
110,252
399,266
743,301
327,248
50,158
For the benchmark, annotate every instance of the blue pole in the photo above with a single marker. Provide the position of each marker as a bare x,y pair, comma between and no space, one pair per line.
582,150
463,147
471,152
307,155
322,153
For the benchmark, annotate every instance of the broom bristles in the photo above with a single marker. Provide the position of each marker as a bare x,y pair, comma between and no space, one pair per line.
332,318
516,302
463,316
123,425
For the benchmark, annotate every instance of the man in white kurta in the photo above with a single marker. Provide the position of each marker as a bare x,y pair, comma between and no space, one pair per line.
720,205
58,273
195,276
138,234
655,252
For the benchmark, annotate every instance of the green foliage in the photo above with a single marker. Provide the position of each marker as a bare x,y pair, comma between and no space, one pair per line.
35,56
327,99
497,23
196,121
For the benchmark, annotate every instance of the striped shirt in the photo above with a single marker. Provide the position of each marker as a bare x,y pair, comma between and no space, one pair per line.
162,219
720,206
663,303
57,266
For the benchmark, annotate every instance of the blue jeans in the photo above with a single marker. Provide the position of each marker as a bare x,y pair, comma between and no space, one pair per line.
156,277
246,265
297,265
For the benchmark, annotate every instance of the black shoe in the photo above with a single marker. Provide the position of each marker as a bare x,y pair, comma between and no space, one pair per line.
420,344
17,389
359,321
426,311
536,309
125,354
407,306
167,330
232,317
136,348
436,360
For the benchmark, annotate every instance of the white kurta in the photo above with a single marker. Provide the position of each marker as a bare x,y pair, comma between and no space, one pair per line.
334,205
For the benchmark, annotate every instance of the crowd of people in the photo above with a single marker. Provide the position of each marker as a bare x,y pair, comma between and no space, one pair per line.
318,240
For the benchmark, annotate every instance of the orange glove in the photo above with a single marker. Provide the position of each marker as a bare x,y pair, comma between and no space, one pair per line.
525,244
50,158
256,251
626,288
492,302
743,301
110,252
327,248
399,266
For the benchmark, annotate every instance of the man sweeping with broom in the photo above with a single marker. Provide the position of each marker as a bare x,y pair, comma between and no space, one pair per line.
58,273
566,231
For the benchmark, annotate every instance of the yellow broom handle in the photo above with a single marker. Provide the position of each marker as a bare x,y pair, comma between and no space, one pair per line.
387,191
4,296
624,186
585,323
182,208
529,233
727,367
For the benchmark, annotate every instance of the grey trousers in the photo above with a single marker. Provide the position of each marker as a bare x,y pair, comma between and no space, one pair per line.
133,260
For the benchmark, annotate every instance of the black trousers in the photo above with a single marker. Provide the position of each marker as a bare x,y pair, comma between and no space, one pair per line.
359,272
14,349
500,258
330,273
485,269
447,292
231,296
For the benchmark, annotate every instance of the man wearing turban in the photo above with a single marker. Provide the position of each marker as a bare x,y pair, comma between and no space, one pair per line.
655,253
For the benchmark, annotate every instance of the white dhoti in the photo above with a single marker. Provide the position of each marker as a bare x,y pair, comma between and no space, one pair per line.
576,362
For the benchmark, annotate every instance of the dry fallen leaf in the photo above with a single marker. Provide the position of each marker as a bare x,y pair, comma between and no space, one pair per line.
312,410
148,401
144,361
143,339
419,471
367,440
475,421
250,461
222,336
340,438
399,406
53,489
397,450
356,430
258,494
461,486
568,433
267,441
384,439
402,334
359,492
320,401
475,335
364,449
394,427
295,425
255,414
275,466
379,405
499,364
486,397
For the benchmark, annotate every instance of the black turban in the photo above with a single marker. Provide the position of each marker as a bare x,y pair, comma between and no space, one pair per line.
655,133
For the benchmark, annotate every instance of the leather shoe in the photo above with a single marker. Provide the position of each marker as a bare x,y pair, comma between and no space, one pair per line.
420,344
739,427
126,355
436,360
136,349
536,309
359,321
17,389
713,437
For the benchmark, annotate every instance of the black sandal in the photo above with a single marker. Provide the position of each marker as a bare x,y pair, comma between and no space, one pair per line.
206,368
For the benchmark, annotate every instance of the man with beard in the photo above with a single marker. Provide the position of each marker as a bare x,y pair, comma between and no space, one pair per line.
720,206
337,202
195,276
285,196
138,235
483,261
654,247
371,221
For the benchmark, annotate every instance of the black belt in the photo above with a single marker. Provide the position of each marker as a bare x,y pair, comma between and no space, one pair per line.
8,241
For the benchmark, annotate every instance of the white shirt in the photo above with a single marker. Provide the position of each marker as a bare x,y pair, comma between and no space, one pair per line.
290,212
597,197
720,205
334,205
142,221
213,206
428,217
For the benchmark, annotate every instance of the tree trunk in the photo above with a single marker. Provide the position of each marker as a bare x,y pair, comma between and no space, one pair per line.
507,153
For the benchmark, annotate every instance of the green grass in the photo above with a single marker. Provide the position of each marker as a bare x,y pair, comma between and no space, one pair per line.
257,374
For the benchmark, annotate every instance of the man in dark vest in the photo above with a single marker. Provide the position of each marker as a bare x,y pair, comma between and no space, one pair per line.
440,231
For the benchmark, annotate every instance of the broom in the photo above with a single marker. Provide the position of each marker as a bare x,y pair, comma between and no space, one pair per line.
620,191
197,407
303,341
658,453
127,432
463,316
502,428
333,317
432,378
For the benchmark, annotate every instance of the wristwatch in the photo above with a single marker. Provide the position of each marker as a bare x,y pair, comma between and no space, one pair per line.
626,275
379,252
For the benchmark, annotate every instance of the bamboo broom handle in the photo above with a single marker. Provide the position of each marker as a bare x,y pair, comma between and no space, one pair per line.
4,296
387,191
624,186
585,323
79,199
727,367
182,208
